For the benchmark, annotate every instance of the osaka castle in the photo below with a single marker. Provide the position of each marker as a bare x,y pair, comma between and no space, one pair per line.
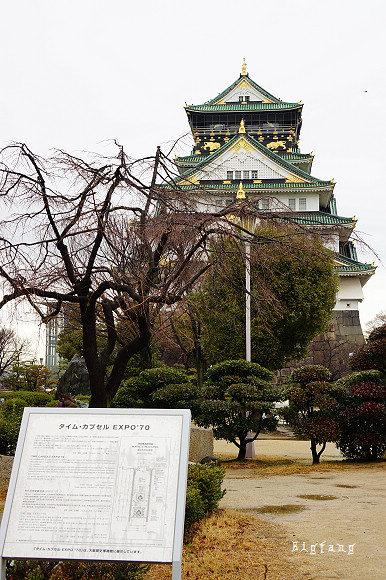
246,144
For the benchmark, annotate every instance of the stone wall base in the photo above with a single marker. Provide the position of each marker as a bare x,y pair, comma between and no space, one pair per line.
332,349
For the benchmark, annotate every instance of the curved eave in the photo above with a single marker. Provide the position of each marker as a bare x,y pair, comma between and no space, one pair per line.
323,220
188,159
305,177
303,157
353,271
353,268
239,107
258,187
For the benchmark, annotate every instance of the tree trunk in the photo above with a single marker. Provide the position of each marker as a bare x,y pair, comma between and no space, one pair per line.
242,450
316,454
90,351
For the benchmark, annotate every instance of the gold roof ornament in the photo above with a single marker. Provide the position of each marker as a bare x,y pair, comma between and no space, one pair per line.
242,126
240,191
244,69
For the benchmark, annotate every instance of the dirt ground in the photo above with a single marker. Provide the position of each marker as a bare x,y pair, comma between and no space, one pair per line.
334,520
317,523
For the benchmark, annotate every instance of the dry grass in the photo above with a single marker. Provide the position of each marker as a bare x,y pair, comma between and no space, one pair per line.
274,465
230,546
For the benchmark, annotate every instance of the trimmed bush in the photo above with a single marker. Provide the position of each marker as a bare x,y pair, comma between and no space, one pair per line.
52,404
208,479
194,507
362,416
312,407
237,369
203,492
237,401
9,433
13,408
32,398
138,392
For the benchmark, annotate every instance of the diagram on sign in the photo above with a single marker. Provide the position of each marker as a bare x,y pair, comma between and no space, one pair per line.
141,483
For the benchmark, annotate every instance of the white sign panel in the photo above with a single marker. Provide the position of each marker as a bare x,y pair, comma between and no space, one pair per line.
97,485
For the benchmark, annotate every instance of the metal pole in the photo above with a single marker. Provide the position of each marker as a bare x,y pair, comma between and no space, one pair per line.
250,450
248,301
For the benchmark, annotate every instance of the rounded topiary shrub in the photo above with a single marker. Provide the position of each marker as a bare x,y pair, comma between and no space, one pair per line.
138,391
309,374
237,368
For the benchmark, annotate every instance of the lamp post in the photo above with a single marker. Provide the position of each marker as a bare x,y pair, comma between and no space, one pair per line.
250,449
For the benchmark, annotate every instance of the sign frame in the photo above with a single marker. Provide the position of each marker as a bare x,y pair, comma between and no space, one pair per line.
181,436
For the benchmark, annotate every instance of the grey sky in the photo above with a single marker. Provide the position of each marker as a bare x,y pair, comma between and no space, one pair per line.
78,73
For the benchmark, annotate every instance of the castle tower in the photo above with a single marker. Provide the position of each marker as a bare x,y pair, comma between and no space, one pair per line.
247,135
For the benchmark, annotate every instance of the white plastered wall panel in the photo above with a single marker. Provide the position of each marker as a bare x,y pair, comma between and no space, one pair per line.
349,294
243,156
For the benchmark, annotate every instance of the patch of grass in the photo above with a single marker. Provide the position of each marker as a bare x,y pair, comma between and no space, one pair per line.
266,465
277,509
229,546
342,485
317,497
3,495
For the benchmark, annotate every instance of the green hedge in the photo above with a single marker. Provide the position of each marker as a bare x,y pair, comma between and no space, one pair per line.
32,398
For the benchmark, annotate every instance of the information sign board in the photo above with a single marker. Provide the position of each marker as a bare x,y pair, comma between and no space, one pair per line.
98,484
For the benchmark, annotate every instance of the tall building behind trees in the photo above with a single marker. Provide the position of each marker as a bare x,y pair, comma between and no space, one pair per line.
246,145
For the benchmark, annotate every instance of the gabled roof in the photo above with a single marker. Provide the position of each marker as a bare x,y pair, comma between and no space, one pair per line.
303,178
244,78
347,266
195,158
263,101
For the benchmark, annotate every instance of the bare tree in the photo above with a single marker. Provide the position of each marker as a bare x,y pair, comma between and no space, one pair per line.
101,235
11,348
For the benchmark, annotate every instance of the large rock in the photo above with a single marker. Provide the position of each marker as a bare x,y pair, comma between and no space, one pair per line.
75,379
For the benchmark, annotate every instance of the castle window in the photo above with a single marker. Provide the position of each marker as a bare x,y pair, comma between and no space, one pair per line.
255,175
229,174
302,204
237,174
292,204
244,98
245,174
264,204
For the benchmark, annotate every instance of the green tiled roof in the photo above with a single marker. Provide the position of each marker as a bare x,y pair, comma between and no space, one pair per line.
194,158
242,107
189,159
254,186
276,158
317,218
255,85
352,265
295,155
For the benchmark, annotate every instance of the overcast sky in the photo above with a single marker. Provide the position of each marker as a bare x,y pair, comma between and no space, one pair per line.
79,73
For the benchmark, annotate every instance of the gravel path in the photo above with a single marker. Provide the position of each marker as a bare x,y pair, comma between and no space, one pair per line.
342,508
